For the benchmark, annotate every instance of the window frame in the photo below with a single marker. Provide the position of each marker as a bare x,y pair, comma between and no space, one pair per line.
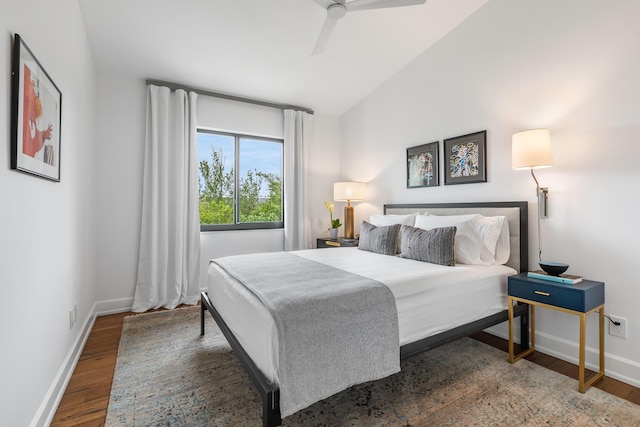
237,225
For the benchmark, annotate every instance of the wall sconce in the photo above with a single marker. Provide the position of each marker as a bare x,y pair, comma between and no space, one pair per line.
531,149
348,191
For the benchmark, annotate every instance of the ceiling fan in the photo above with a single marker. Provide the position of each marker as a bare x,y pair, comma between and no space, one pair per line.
336,9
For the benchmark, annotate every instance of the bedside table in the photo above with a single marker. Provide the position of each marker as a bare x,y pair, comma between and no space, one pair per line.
580,299
329,243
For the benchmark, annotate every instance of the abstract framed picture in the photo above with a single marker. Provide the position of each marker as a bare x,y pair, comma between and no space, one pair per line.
466,159
422,165
36,116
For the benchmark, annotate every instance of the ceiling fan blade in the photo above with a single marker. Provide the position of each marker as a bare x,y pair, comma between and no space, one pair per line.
325,34
324,3
379,4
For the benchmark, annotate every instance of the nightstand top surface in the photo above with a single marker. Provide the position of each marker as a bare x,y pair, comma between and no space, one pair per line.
580,286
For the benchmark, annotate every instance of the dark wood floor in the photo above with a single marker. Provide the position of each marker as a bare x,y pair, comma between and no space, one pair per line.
87,396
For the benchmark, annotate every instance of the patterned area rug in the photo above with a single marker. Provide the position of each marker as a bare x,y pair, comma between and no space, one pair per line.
167,374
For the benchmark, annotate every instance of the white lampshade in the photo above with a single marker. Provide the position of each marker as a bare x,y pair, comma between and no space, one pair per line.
352,191
531,149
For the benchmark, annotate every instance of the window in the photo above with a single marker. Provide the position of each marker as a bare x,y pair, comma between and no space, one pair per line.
240,179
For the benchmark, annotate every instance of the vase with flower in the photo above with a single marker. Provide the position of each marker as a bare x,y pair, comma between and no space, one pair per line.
335,223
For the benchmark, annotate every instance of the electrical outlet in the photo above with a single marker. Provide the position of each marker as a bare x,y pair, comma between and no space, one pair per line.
618,330
71,321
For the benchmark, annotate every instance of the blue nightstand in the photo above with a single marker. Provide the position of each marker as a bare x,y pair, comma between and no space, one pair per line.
580,299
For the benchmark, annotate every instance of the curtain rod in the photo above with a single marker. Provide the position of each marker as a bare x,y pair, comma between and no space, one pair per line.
175,86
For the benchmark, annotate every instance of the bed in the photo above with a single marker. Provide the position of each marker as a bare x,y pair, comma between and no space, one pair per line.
477,301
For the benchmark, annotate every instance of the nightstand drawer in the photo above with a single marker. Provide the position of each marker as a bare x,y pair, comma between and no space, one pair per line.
581,297
543,293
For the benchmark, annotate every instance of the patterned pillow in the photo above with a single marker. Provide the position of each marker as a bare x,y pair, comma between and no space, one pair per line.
435,246
384,220
381,240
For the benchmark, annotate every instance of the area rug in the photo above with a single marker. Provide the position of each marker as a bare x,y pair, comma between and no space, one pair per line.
168,375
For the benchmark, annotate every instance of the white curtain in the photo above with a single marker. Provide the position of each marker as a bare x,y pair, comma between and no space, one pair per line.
169,259
297,139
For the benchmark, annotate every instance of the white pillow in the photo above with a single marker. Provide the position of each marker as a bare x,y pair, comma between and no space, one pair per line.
476,236
503,245
499,251
491,236
384,220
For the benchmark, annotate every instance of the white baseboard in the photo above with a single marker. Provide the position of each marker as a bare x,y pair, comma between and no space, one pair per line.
620,368
49,405
113,306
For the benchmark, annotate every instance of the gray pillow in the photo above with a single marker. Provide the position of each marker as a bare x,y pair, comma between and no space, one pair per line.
381,240
435,246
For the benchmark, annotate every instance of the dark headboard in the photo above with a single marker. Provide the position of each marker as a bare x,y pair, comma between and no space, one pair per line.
516,213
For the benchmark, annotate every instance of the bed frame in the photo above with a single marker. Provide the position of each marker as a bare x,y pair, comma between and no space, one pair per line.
518,226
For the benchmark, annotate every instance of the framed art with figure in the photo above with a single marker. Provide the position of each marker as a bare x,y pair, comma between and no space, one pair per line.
422,165
36,116
466,158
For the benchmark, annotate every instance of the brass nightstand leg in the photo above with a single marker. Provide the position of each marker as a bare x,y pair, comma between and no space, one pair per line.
601,316
532,322
582,384
583,326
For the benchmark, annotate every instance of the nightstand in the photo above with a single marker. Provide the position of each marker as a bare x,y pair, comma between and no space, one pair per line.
580,299
339,242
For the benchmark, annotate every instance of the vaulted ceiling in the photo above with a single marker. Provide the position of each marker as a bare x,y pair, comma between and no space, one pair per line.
262,49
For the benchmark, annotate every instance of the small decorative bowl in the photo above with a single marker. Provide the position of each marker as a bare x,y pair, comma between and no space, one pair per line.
553,268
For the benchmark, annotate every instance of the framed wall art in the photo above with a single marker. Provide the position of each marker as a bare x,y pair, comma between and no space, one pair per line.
466,159
422,165
36,116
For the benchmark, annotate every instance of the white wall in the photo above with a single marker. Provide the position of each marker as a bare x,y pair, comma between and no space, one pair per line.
569,66
47,229
121,118
120,140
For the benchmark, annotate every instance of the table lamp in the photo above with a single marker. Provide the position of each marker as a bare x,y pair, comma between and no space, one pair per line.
348,191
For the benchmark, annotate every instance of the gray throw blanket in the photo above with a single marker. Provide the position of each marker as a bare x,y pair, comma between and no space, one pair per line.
335,329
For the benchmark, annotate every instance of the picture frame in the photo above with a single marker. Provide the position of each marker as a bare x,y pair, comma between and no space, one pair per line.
423,165
36,118
466,159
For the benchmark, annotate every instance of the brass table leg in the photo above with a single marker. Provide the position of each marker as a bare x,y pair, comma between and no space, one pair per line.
532,321
583,384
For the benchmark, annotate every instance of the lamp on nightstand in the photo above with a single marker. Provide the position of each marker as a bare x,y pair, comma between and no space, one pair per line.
348,192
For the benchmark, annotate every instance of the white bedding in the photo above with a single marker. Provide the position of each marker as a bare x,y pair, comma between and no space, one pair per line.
430,298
